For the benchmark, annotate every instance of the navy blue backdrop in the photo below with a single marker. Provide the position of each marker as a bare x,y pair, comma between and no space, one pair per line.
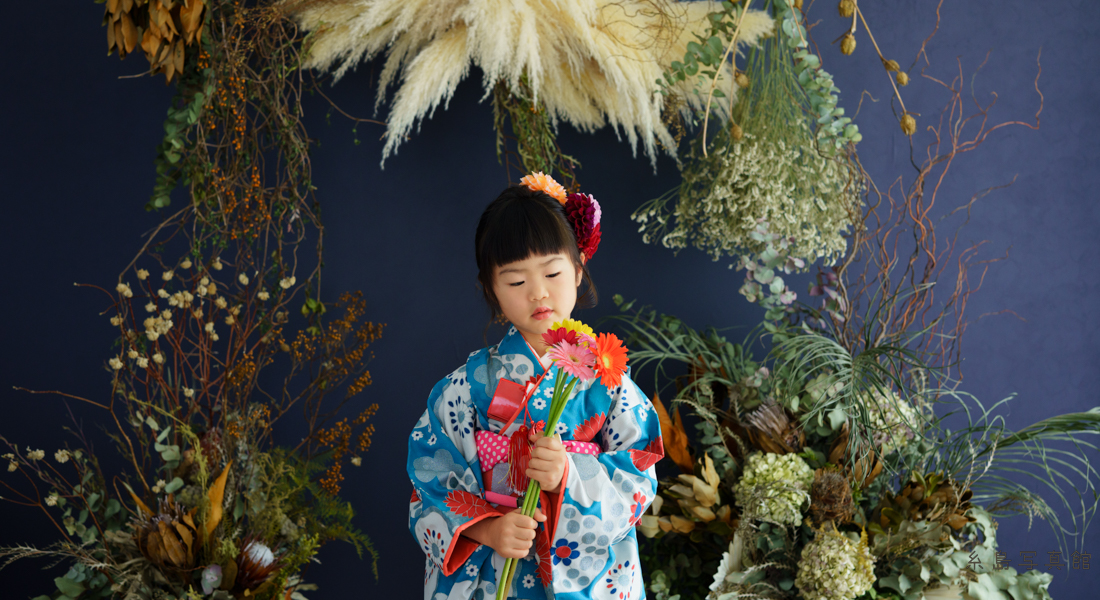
77,164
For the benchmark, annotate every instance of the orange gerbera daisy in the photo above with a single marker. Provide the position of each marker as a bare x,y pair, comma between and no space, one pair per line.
610,359
544,183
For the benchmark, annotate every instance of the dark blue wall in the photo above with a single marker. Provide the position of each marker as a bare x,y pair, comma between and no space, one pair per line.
77,164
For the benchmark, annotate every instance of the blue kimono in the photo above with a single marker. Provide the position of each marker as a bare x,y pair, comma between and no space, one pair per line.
587,548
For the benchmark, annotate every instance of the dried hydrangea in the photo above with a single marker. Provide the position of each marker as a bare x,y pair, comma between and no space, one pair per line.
799,192
774,487
834,567
892,419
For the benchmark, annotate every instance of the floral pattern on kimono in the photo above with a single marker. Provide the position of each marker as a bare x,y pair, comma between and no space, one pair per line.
588,547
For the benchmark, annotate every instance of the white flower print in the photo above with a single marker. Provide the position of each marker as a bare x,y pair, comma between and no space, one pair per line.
539,404
548,392
528,581
561,428
417,435
471,570
431,440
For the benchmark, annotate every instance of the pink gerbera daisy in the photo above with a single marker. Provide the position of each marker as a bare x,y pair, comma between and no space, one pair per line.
573,359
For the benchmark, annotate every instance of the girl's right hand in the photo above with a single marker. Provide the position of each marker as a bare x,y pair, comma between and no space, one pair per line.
512,534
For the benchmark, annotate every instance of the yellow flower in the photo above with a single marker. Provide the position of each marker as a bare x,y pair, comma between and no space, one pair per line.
287,282
167,276
124,289
220,302
541,182
574,326
142,274
186,264
132,353
163,293
116,321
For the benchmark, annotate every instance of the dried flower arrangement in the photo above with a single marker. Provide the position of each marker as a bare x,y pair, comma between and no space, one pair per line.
829,469
209,504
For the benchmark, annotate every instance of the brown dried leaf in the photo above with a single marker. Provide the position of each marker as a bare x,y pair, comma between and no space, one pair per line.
145,510
216,493
110,37
113,6
150,43
172,546
127,5
129,33
674,437
178,57
190,18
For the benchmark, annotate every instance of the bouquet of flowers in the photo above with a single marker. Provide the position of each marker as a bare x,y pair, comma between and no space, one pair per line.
579,355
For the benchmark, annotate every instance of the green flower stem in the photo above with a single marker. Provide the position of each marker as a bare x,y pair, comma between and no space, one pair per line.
531,498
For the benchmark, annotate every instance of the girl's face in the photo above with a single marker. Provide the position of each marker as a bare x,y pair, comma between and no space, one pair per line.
535,292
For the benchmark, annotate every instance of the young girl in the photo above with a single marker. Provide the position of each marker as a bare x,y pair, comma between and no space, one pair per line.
596,473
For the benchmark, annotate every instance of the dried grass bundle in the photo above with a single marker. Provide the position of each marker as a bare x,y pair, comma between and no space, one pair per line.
591,62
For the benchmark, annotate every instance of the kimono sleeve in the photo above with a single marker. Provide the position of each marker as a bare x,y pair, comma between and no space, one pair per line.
606,495
442,465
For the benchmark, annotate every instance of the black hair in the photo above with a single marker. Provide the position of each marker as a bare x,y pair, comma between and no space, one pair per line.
521,223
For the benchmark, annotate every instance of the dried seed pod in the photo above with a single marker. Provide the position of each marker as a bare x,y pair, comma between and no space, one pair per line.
908,124
830,496
903,78
797,4
742,80
847,8
848,44
891,65
735,131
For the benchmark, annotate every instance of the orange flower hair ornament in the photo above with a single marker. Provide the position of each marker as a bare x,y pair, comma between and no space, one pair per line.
582,210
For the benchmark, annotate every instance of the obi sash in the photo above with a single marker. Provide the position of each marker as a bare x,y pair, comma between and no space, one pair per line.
493,449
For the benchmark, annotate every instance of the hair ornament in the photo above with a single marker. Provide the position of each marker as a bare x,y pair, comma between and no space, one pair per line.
582,211
540,182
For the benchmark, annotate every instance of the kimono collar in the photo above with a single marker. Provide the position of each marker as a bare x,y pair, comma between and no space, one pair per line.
514,343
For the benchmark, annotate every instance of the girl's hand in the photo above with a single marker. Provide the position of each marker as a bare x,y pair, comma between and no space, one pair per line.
547,465
511,534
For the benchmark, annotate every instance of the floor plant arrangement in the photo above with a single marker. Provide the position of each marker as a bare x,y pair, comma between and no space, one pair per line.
832,454
204,498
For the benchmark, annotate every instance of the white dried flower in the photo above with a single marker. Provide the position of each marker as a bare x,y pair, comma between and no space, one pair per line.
205,281
287,282
263,295
151,307
212,288
115,363
833,567
124,289
186,264
243,279
356,460
163,293
159,487
220,302
142,274
8,456
217,264
236,310
116,320
774,487
210,327
62,456
12,466
167,276
143,362
35,454
197,313
158,358
799,192
132,353
230,320
214,336
188,392
167,314
51,500
894,421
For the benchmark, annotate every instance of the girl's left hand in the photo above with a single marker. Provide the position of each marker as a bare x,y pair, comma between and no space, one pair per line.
547,464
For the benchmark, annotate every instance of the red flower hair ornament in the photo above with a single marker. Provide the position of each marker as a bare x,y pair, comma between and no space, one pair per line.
582,210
